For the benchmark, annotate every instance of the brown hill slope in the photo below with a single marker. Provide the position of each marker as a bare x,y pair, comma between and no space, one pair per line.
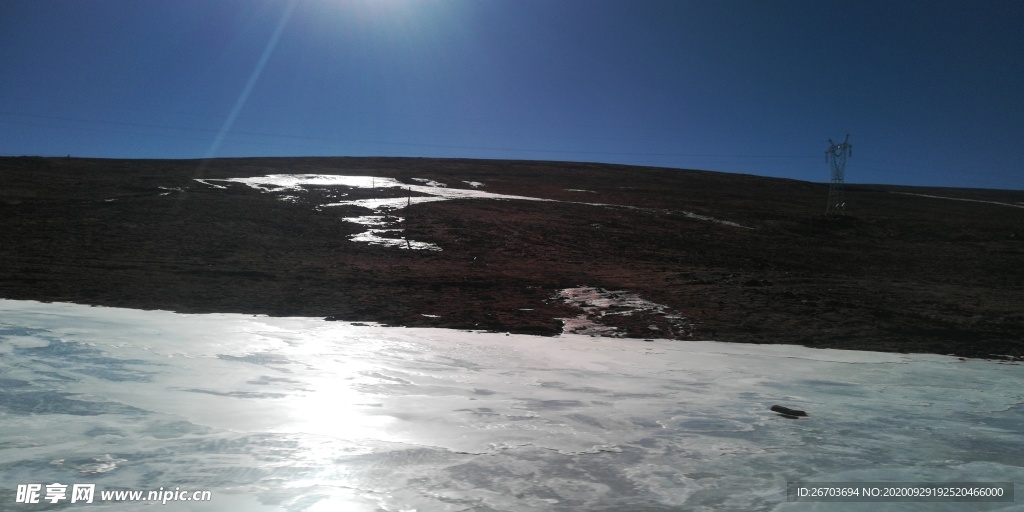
901,272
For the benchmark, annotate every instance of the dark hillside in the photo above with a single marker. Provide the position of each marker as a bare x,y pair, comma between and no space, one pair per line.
901,272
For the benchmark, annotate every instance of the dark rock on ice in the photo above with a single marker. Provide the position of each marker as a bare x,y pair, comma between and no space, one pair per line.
787,412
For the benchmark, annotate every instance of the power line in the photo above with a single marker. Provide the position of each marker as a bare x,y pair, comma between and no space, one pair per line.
379,142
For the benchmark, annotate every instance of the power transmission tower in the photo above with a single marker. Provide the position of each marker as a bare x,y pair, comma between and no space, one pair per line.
836,156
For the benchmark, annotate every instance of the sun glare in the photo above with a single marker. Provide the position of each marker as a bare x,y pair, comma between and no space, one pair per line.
372,10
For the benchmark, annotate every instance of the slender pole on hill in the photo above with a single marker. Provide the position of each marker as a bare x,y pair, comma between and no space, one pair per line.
405,220
836,156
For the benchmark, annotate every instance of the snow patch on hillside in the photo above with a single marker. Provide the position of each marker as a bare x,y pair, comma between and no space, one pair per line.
1011,205
384,207
598,304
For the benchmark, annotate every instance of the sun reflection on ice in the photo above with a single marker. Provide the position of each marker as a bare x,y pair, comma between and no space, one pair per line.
331,403
334,409
297,414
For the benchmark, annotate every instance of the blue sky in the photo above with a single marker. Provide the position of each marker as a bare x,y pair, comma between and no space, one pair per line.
930,92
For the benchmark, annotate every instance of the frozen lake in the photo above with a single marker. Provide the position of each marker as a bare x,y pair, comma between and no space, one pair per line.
299,414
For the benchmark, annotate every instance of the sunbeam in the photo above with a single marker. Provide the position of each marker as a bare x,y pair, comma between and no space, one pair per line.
253,77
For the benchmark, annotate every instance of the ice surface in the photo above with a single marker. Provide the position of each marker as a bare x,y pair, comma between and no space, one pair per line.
430,183
437,191
298,414
371,220
295,182
374,237
207,183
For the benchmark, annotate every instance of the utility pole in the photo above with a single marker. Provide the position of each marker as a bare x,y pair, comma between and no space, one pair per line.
405,220
836,156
